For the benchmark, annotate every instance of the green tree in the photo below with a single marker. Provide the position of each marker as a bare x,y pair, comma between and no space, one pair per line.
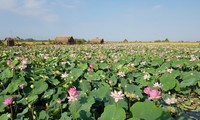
166,40
17,39
125,41
157,41
50,41
80,41
1,43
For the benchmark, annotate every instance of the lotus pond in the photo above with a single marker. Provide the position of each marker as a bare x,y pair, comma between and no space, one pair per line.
104,82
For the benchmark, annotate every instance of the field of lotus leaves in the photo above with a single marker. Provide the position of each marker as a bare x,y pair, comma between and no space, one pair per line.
104,82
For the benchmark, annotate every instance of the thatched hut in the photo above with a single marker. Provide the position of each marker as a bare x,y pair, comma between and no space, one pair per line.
97,41
63,40
9,41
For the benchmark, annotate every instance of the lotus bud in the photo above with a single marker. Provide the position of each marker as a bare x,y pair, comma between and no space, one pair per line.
29,105
34,118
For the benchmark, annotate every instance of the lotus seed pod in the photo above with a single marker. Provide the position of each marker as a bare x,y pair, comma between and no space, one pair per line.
32,86
9,115
26,99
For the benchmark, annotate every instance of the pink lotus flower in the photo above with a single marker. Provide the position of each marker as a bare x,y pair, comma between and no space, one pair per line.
178,65
147,90
59,101
170,101
162,54
21,67
169,70
8,101
91,65
46,56
117,95
63,63
13,66
89,69
17,58
21,86
143,63
152,93
193,58
8,62
108,67
110,82
121,74
73,94
25,61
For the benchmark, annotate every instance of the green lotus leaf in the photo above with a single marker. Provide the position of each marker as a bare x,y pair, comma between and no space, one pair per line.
54,81
74,109
190,78
157,61
48,94
133,89
43,115
164,66
39,87
86,104
92,76
75,73
32,99
83,66
197,91
65,116
2,98
113,112
102,93
14,85
7,73
21,115
168,82
103,65
85,86
4,117
148,111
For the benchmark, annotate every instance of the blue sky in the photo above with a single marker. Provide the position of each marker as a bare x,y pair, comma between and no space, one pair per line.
113,20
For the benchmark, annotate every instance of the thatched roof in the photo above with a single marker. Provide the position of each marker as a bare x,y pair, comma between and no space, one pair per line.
64,40
97,41
9,39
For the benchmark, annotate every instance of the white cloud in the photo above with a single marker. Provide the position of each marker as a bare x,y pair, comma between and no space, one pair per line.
7,4
32,8
156,7
50,18
67,4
